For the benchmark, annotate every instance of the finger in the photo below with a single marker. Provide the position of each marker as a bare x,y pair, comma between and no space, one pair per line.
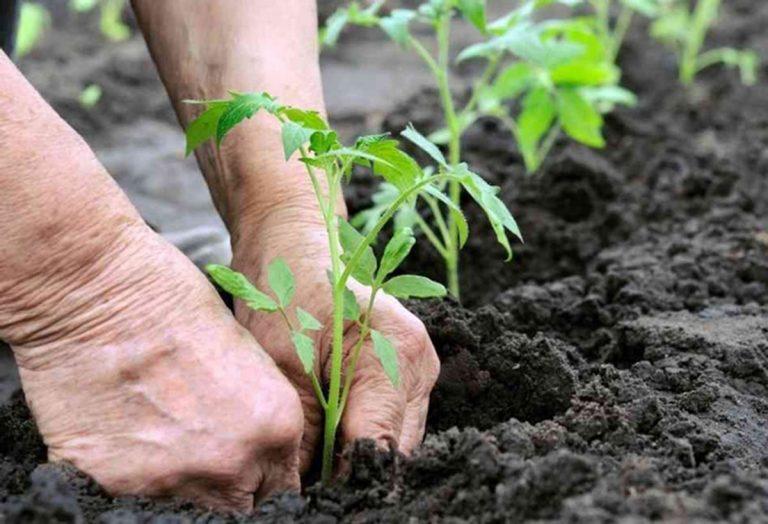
375,407
414,424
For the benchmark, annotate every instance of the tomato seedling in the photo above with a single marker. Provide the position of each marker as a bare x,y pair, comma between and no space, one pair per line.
540,79
306,135
685,29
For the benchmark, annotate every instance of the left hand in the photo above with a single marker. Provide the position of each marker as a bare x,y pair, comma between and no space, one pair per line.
375,408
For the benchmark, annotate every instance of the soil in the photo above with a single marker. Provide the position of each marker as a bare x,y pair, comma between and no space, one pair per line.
616,370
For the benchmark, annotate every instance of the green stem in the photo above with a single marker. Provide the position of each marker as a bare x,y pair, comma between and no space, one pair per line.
315,382
431,236
620,32
484,80
365,330
454,148
703,16
337,344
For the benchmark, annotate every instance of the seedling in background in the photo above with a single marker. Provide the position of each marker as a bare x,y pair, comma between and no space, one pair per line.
307,136
685,30
540,79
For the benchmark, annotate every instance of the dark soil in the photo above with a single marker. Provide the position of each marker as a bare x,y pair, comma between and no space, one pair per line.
616,370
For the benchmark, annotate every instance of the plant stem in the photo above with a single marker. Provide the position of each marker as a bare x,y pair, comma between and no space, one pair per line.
454,147
365,330
620,32
703,16
337,344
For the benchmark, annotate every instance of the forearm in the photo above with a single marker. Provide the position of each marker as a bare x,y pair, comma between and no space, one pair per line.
53,195
205,49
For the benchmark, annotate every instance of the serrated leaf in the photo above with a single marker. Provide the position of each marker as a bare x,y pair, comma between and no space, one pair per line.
351,239
580,120
237,285
351,307
421,141
397,249
392,164
396,25
307,321
456,212
535,120
413,286
305,348
241,107
498,215
294,136
204,126
385,352
334,24
474,12
281,281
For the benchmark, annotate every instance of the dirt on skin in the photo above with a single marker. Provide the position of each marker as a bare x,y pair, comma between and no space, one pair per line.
617,370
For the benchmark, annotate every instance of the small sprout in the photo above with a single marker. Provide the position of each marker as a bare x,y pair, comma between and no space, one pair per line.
90,96
34,20
306,135
685,31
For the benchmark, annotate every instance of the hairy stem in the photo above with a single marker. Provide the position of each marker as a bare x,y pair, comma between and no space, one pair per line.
337,345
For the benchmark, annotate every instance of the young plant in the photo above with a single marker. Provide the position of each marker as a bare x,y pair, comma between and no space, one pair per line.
540,79
614,33
307,136
685,29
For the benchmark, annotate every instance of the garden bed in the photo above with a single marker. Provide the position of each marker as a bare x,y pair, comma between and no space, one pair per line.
617,367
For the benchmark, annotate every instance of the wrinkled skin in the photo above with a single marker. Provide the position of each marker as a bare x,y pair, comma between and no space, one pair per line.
158,390
376,409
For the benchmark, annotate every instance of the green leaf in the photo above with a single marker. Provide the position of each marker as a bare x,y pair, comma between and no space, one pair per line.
413,286
396,25
82,6
281,281
397,249
456,212
307,321
351,239
243,106
498,215
580,120
582,73
237,285
294,136
304,117
474,12
387,355
324,143
204,126
334,24
535,120
512,81
428,147
395,166
351,307
305,348
609,94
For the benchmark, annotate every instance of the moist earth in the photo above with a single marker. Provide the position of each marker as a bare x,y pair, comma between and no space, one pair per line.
615,370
